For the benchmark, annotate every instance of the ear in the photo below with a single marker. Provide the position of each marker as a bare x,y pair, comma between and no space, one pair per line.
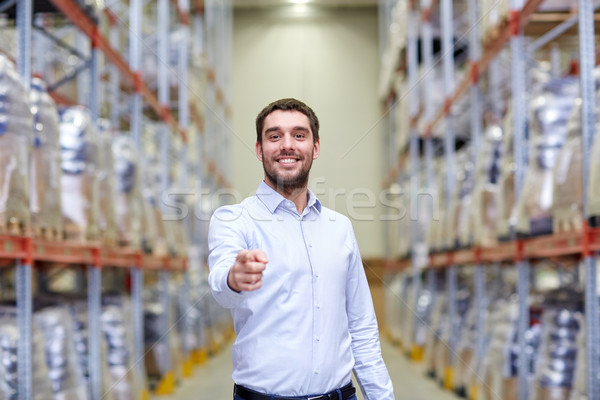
317,149
258,149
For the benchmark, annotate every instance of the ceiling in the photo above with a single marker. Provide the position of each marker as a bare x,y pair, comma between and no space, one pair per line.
324,3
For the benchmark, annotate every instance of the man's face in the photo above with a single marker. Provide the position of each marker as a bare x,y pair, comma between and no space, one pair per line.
287,150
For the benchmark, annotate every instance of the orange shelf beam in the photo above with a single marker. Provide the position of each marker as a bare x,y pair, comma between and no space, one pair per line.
550,246
15,247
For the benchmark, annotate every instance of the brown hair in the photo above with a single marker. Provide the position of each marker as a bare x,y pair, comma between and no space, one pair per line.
287,105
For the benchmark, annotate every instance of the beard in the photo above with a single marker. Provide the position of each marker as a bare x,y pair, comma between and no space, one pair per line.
290,183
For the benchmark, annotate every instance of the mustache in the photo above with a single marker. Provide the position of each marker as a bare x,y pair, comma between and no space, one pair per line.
283,155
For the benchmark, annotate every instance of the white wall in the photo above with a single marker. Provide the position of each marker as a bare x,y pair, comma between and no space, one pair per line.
331,62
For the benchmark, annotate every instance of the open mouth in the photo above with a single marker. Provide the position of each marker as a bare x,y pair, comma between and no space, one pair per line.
287,160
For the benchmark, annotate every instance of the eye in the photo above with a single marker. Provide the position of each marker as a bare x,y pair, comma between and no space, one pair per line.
300,135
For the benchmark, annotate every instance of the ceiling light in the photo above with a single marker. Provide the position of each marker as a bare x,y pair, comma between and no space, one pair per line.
299,1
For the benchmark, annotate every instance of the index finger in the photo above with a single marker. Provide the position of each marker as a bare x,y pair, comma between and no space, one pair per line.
258,255
243,255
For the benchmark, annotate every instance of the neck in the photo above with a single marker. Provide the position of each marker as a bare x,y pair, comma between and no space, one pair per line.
298,195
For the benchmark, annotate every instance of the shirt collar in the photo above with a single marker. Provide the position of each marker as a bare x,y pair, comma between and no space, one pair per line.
272,199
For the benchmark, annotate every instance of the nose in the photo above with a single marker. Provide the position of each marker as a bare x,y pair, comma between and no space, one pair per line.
287,143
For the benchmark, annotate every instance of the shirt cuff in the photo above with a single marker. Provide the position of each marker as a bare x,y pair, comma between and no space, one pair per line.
225,296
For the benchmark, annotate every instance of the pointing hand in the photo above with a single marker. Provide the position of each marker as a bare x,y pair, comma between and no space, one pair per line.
246,273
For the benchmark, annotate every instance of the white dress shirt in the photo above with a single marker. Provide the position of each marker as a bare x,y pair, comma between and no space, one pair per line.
312,322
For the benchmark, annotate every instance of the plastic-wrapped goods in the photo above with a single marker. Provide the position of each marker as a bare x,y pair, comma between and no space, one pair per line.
416,315
506,183
128,200
491,13
507,209
437,231
150,63
107,224
393,322
470,370
550,110
432,340
79,314
9,340
459,109
579,389
175,228
485,212
594,188
156,360
466,366
117,331
423,310
189,312
463,232
404,223
502,359
80,335
150,176
406,315
79,181
441,349
157,364
45,199
16,136
558,351
55,324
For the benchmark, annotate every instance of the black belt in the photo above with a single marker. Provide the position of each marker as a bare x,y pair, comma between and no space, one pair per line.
247,394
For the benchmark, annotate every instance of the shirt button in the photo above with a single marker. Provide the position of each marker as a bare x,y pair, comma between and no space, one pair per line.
317,338
318,306
309,244
317,371
316,274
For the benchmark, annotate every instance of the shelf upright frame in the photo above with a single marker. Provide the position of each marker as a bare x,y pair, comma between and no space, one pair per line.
389,144
136,271
94,270
114,78
476,115
24,321
210,96
184,122
163,16
586,66
519,148
446,17
428,112
83,78
24,267
413,111
198,48
135,63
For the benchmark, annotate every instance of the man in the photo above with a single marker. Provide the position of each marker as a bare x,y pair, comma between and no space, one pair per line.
291,273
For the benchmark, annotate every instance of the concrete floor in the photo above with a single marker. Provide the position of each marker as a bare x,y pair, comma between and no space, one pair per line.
212,381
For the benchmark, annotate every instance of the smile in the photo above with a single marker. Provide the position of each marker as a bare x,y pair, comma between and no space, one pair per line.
287,160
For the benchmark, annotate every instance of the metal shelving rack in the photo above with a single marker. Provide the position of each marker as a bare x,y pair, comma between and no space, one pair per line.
26,251
585,244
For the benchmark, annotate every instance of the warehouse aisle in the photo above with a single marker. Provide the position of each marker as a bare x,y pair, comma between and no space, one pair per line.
213,380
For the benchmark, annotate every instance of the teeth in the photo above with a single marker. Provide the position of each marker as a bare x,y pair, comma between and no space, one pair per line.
287,160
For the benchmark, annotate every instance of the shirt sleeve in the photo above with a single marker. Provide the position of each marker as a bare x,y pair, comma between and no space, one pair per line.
225,241
369,368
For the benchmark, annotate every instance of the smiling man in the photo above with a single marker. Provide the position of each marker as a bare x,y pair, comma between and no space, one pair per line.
291,273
